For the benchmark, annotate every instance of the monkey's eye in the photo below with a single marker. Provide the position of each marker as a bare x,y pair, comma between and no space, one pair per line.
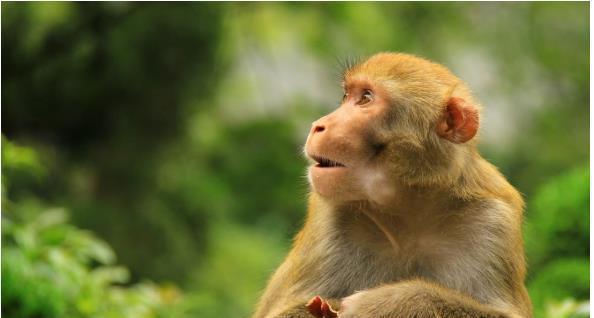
366,97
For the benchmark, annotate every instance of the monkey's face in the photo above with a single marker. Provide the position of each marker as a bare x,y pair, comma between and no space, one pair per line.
344,145
402,121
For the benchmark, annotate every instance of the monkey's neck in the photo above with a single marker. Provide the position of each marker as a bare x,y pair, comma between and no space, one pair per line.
406,198
390,236
384,222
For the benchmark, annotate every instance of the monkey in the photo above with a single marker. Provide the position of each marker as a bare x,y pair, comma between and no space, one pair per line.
405,217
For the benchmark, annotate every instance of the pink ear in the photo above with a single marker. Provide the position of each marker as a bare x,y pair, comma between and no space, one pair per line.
459,122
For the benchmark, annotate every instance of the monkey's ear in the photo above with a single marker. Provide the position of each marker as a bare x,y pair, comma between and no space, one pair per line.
459,122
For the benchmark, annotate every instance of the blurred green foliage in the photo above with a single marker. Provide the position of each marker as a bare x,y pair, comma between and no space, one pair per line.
174,133
557,238
53,269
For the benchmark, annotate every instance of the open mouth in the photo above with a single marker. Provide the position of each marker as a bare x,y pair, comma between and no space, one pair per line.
323,162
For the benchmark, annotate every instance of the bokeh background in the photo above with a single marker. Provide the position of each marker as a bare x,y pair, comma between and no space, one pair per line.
151,153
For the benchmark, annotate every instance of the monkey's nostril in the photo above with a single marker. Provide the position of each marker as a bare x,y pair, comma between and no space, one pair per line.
318,129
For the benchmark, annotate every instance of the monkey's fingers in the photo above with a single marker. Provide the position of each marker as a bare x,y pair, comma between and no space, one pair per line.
314,306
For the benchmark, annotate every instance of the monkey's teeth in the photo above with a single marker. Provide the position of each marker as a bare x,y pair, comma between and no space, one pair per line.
326,163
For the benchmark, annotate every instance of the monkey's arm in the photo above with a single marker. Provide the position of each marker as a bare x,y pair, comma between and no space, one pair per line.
306,272
418,298
283,299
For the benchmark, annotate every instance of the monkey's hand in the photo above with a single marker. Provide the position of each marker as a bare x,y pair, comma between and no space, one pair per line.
321,308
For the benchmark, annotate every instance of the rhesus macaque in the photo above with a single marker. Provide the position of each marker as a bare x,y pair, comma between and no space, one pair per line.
406,219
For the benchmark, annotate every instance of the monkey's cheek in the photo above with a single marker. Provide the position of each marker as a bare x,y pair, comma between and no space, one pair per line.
334,183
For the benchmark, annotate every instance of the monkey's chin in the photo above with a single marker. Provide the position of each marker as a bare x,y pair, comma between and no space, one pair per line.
335,183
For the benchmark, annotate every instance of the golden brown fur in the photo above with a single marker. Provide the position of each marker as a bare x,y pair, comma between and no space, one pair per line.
413,222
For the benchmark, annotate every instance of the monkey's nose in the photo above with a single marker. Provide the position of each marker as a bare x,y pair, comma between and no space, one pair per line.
317,129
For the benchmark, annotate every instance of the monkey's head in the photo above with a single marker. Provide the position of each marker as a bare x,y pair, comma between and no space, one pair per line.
403,121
